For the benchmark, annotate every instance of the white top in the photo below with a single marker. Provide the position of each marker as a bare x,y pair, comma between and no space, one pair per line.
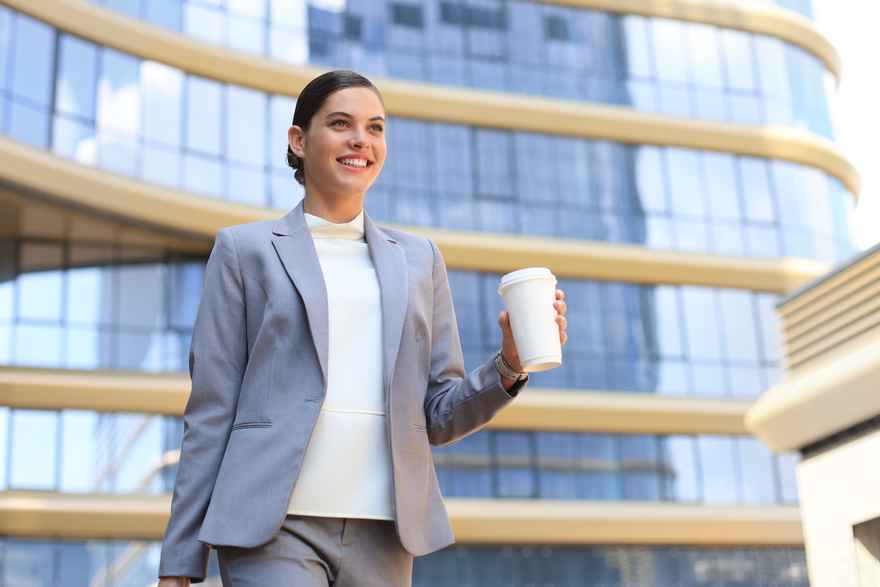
346,471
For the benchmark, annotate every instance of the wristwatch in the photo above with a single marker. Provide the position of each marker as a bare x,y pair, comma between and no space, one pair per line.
506,370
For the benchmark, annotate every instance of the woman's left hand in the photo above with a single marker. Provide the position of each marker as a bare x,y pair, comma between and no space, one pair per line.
508,346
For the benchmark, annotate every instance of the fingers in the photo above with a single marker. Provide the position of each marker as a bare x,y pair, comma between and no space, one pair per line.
559,304
504,321
562,322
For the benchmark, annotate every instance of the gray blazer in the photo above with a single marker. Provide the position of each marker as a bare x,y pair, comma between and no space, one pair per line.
258,363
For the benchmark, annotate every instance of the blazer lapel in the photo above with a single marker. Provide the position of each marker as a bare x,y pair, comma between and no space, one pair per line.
389,260
294,245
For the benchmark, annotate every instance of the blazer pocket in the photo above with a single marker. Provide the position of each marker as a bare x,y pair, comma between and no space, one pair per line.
252,424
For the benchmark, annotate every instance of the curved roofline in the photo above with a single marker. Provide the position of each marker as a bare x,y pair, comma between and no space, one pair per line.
36,171
474,521
751,17
568,410
449,104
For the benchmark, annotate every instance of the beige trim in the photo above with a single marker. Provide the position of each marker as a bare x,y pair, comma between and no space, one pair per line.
457,105
832,340
760,18
583,411
86,187
83,516
834,312
57,389
836,333
28,217
752,17
855,296
635,264
558,522
829,293
559,410
836,391
139,517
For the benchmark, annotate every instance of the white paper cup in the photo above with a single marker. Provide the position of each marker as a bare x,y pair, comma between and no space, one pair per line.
529,295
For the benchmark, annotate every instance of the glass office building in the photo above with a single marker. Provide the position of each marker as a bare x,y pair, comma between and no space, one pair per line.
91,290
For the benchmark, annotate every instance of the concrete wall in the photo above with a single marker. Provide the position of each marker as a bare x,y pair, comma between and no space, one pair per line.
839,488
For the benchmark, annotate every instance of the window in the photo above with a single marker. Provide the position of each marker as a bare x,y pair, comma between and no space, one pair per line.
408,15
556,28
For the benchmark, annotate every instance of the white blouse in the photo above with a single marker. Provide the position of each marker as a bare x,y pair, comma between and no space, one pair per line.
346,471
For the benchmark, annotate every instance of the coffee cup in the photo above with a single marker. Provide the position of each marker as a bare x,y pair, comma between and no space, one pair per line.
529,295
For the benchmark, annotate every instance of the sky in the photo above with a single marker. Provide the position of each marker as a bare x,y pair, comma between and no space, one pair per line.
851,25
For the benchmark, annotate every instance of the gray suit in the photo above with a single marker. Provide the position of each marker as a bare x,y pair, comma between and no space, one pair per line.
258,363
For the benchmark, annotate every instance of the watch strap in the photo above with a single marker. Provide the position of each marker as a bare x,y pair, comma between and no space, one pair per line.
506,370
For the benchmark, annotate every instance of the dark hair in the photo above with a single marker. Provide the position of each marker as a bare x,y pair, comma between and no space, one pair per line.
313,96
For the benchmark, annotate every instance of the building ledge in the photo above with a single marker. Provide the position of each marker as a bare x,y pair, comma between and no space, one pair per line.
832,340
474,521
34,171
544,409
468,106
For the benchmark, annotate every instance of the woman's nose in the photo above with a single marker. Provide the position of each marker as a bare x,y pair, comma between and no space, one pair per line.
357,138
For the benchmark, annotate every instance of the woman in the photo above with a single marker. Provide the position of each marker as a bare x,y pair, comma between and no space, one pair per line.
325,360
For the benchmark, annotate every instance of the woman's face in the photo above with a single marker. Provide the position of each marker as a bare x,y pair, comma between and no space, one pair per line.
344,147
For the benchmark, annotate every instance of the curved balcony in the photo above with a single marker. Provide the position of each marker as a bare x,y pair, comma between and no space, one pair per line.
732,61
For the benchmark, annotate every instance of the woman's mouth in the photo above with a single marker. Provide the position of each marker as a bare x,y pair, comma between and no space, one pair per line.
354,163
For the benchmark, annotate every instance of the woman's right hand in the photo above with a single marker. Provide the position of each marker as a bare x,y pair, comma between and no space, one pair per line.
174,582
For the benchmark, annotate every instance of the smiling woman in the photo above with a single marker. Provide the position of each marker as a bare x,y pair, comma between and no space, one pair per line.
306,452
339,118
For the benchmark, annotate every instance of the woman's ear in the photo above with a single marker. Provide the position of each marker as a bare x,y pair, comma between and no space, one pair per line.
296,138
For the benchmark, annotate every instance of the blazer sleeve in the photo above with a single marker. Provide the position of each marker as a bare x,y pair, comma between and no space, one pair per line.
457,403
217,358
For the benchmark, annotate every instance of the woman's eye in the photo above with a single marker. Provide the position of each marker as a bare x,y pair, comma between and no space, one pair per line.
378,127
337,122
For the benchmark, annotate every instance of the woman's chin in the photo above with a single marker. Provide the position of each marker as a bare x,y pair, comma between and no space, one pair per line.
355,182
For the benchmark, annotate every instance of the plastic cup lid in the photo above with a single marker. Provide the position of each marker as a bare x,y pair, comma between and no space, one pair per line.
525,274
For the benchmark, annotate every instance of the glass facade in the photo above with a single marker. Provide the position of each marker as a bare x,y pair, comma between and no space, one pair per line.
651,64
615,467
148,121
136,308
44,563
91,299
85,451
615,566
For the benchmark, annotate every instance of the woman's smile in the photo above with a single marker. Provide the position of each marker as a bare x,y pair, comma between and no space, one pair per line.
354,164
343,149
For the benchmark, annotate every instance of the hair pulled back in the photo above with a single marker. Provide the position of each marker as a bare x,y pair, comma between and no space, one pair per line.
313,97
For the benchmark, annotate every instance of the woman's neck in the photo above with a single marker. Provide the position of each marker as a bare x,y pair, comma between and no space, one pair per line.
338,210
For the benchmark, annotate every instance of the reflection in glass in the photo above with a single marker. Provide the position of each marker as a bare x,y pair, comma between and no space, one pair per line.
34,442
718,467
32,59
756,467
162,88
682,483
78,451
500,181
77,75
513,458
119,94
203,109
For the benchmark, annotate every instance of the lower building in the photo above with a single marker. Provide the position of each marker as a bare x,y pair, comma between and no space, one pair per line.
828,409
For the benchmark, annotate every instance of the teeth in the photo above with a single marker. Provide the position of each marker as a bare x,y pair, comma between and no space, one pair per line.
354,162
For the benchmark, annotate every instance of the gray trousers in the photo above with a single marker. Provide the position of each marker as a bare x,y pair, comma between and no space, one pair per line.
320,552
